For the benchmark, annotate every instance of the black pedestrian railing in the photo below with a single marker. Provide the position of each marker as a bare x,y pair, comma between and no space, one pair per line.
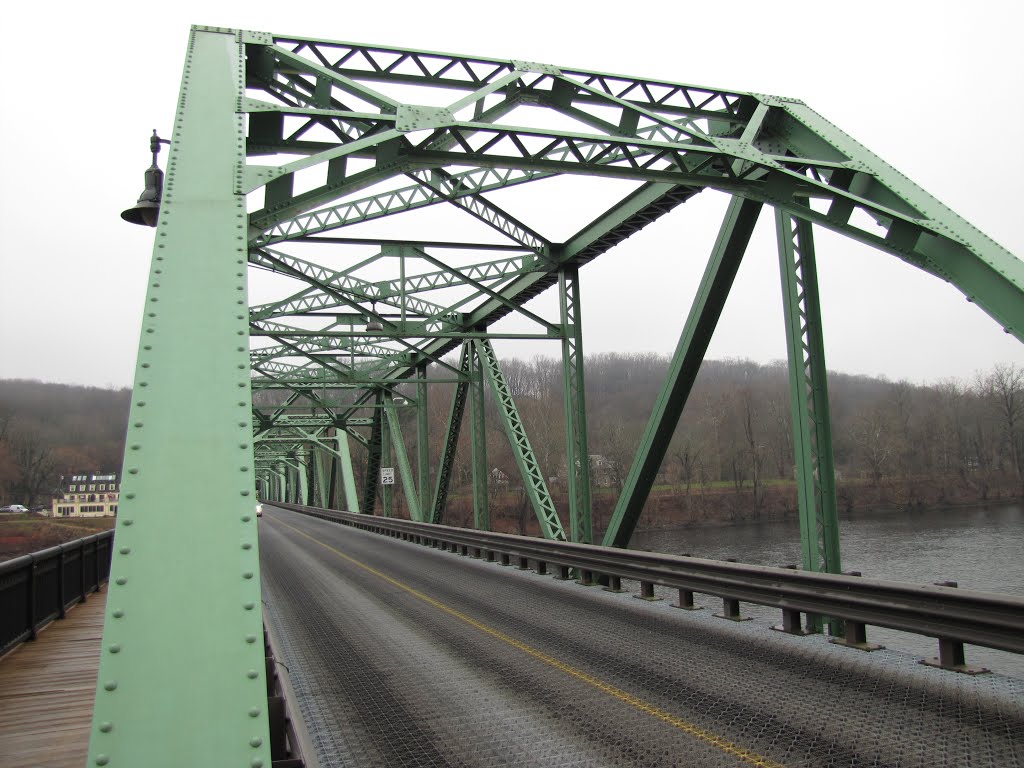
35,589
953,616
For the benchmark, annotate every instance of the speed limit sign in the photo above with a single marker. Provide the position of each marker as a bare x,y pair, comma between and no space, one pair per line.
387,475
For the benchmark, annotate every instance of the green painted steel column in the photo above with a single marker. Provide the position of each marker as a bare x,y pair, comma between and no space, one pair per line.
373,458
423,439
812,428
348,475
451,441
481,502
181,679
387,492
402,458
719,274
529,469
577,452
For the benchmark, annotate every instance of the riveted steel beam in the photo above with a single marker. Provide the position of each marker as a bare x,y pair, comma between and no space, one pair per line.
693,343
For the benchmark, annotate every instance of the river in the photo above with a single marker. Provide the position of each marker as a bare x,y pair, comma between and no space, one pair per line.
979,548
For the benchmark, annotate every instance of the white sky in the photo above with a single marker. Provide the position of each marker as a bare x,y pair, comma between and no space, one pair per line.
933,87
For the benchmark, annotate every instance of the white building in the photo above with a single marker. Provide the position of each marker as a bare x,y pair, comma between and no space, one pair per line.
88,495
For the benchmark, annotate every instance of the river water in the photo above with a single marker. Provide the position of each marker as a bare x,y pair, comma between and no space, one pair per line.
979,548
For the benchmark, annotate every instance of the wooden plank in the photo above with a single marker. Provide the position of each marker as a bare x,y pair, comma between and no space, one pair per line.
47,689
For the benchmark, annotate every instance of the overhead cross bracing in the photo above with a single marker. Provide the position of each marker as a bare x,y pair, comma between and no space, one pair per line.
386,201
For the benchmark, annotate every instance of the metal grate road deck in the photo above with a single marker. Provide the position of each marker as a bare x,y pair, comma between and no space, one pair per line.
403,655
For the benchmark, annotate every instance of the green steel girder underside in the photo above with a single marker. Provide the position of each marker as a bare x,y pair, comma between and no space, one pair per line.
294,155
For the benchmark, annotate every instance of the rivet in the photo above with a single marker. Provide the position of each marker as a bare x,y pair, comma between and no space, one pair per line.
133,471
244,469
254,712
125,550
129,495
243,446
102,759
245,493
247,575
243,424
115,648
252,674
145,365
106,727
110,685
118,614
148,347
249,606
255,741
127,522
143,383
141,403
256,763
246,518
138,424
250,639
121,581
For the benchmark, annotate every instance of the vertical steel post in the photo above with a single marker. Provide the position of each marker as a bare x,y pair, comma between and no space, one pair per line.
373,458
165,637
402,458
451,442
812,428
387,494
348,476
705,310
577,453
423,439
481,502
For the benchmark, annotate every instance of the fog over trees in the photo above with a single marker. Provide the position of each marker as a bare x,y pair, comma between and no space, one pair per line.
953,441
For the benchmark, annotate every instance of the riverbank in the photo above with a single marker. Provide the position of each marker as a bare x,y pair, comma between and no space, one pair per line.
677,507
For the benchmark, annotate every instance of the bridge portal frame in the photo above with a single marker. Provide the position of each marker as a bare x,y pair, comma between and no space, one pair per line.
305,105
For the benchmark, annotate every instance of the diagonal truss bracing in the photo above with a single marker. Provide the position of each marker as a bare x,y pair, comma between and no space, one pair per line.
326,163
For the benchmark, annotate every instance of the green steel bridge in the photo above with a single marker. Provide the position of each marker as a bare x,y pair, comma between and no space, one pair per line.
291,156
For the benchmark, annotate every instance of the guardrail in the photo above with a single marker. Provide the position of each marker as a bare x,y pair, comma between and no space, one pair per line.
35,589
953,616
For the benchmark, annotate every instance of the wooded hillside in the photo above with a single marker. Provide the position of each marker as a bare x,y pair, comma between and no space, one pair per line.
895,443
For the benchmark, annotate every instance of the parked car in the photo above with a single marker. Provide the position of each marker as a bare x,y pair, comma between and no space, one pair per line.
14,508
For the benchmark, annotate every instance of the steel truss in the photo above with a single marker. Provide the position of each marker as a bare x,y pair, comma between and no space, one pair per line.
231,397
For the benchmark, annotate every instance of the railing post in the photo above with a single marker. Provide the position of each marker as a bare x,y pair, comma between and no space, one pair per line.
30,612
61,598
951,652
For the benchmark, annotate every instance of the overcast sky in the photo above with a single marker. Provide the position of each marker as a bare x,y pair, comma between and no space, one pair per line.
932,87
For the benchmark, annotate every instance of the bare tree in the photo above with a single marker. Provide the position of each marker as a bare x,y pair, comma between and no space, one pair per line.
34,462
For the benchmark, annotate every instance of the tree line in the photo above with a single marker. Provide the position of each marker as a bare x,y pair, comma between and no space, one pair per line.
965,437
49,430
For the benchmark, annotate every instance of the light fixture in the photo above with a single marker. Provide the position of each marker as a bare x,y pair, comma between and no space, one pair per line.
374,324
146,211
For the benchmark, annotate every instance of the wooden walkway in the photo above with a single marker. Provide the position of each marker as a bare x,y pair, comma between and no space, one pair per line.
47,689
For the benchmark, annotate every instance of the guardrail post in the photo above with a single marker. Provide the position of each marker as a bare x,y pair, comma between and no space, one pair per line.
647,591
524,563
542,568
586,578
686,600
731,610
951,652
506,558
564,573
614,584
791,623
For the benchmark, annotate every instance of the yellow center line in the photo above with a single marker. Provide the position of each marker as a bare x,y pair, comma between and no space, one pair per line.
746,755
